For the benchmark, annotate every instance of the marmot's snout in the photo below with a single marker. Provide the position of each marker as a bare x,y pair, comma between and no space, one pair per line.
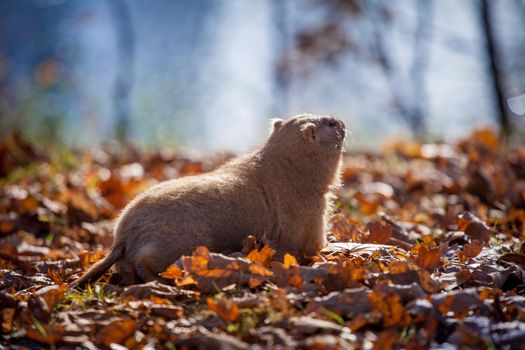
339,129
336,123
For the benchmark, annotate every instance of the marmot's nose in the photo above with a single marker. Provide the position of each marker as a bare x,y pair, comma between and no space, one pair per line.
334,122
341,124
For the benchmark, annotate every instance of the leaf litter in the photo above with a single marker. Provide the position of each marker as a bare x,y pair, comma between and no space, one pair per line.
425,251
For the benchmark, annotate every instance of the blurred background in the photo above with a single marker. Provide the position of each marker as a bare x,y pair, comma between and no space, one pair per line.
208,74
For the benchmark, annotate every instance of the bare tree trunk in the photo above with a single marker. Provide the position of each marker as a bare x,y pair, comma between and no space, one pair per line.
419,66
125,56
282,70
496,75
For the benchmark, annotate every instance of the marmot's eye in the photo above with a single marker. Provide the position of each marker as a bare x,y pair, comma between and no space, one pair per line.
332,123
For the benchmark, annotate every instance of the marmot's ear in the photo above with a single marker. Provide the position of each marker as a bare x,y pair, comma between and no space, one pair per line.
308,131
276,123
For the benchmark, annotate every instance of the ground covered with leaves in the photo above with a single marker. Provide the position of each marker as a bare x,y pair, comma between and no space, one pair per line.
425,251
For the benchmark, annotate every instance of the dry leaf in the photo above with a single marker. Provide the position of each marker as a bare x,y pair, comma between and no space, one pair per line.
172,272
380,233
262,256
226,309
428,258
290,260
116,332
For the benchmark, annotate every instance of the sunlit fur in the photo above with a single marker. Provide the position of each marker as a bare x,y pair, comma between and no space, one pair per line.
281,191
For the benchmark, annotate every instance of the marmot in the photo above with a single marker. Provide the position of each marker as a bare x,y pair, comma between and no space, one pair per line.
281,191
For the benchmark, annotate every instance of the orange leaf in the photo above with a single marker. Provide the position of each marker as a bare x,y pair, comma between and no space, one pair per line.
80,202
428,258
386,340
446,306
111,190
160,301
116,332
389,305
192,168
55,276
87,258
214,273
258,269
262,256
7,315
50,334
472,250
463,276
172,272
367,205
426,281
233,265
398,266
486,137
6,226
296,280
379,233
28,205
226,309
346,229
199,259
473,227
484,294
290,260
254,282
212,305
186,281
357,322
54,296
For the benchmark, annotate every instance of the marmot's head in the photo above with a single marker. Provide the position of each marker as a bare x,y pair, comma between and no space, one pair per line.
320,134
311,144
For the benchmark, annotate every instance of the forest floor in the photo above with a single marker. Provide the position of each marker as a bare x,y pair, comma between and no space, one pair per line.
426,250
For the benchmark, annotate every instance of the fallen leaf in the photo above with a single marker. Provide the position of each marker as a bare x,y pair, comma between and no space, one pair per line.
116,332
226,309
389,305
380,233
295,280
47,334
290,260
262,256
474,227
428,258
513,258
172,272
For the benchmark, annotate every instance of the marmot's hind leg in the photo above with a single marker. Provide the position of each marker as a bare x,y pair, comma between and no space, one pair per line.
145,270
127,273
148,264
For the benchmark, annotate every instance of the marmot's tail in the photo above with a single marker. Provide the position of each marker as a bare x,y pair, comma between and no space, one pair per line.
97,270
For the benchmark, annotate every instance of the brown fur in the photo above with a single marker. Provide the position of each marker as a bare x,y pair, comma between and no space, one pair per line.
280,191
